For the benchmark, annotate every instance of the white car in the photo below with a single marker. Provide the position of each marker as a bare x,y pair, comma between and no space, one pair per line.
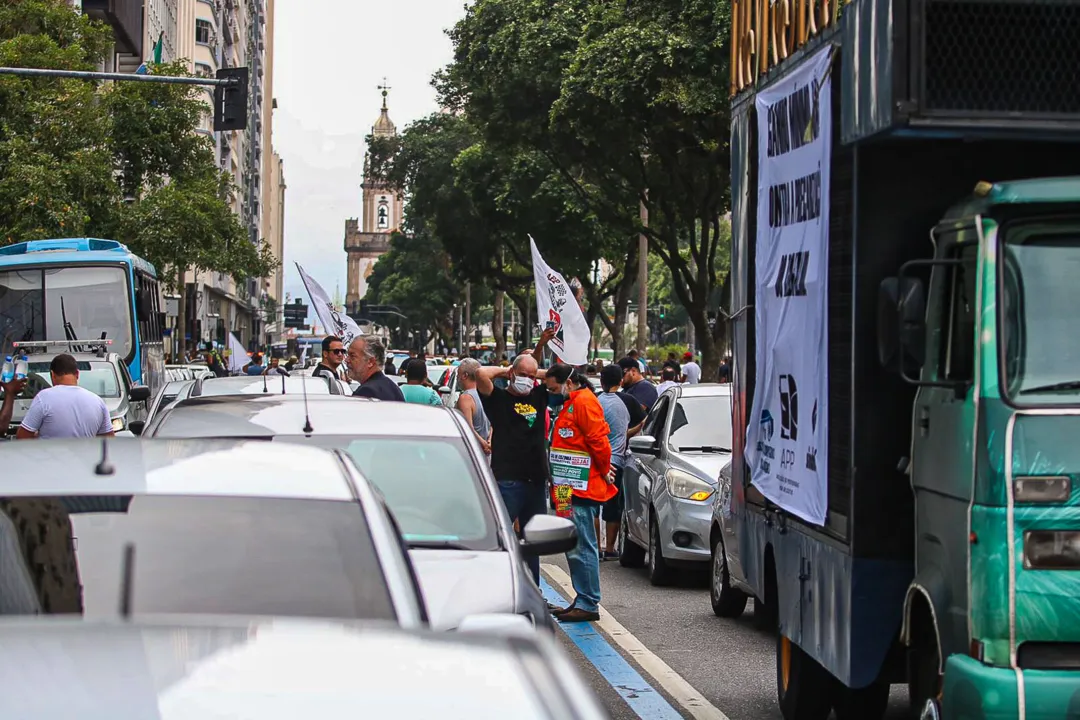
434,476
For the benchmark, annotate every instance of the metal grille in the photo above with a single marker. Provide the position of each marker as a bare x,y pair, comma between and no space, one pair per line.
1002,56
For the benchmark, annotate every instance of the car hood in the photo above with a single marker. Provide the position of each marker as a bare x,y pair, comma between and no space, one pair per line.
705,465
457,583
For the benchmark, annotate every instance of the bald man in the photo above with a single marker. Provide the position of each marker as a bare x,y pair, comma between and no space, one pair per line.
518,435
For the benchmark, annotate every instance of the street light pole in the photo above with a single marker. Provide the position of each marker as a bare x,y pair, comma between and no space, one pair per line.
643,283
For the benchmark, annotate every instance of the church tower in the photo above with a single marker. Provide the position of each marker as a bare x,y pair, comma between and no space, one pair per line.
368,237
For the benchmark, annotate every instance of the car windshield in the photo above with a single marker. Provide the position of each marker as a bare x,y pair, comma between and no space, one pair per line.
430,484
1040,351
65,303
97,377
701,422
198,555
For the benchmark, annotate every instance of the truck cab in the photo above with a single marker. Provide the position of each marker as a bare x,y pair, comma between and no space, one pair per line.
985,330
902,501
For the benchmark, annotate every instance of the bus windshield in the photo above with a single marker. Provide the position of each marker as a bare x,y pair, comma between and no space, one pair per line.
76,302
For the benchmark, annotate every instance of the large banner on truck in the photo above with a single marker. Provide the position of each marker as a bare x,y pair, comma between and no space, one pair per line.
787,441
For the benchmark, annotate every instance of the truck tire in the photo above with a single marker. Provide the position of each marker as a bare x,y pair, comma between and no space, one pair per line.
659,572
924,681
727,601
802,685
631,555
868,703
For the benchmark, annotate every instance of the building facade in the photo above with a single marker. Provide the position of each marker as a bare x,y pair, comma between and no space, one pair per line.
367,238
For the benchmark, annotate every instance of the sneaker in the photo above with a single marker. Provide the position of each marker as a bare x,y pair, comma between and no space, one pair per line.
577,615
611,555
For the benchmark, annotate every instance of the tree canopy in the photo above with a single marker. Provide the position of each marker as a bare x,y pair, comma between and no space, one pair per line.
121,160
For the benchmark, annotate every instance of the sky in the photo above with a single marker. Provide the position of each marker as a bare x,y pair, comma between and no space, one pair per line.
330,56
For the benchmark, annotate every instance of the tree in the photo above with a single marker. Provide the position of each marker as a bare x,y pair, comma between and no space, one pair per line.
626,100
482,203
56,170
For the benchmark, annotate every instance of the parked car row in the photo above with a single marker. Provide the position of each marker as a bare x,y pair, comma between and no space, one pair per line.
273,543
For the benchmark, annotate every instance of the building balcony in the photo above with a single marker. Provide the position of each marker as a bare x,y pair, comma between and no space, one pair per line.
126,19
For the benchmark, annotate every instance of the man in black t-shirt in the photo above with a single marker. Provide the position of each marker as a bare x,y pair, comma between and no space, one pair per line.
518,417
637,386
366,357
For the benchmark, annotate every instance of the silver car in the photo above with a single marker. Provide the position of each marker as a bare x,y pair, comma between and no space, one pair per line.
670,479
281,669
94,527
436,480
728,588
103,373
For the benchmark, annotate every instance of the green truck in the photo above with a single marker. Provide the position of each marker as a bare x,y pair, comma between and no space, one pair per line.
904,500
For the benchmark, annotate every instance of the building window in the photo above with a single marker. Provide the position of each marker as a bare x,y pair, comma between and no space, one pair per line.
202,32
203,70
383,216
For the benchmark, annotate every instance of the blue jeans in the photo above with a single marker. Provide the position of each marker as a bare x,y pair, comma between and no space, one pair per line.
584,559
523,500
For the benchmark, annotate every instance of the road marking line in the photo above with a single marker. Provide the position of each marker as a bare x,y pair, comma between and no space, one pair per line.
643,699
682,691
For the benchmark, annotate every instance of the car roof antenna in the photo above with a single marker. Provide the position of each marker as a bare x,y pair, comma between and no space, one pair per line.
307,429
104,467
127,580
282,384
264,383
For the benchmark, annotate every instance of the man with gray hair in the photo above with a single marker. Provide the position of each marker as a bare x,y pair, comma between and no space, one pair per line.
469,403
366,358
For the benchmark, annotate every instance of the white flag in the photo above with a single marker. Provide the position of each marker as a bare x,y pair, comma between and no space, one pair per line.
336,323
238,356
555,303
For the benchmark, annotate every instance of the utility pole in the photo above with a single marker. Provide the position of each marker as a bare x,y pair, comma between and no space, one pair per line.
643,283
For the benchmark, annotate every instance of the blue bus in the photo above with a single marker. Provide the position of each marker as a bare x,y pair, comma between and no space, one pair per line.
84,289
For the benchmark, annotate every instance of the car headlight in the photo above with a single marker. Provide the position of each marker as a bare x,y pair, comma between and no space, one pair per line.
685,486
117,424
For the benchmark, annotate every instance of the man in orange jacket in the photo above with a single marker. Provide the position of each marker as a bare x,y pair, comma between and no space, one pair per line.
580,460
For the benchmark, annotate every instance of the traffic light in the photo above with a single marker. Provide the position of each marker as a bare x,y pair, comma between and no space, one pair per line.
477,336
231,101
295,314
663,312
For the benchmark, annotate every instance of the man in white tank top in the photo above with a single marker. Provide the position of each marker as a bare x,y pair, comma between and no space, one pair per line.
469,404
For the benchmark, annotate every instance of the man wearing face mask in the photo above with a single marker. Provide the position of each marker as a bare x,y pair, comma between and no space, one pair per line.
518,441
366,358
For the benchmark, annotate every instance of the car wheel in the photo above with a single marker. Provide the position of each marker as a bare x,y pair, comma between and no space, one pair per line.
726,600
631,555
659,572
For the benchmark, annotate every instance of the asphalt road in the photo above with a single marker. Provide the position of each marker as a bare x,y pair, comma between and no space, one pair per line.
729,662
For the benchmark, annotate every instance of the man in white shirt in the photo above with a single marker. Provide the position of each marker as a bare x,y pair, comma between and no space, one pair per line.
65,410
691,370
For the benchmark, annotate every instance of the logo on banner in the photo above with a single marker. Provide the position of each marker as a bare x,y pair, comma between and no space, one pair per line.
791,279
789,408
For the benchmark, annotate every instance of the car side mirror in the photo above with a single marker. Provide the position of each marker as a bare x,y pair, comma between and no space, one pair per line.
136,427
644,445
444,390
548,535
139,393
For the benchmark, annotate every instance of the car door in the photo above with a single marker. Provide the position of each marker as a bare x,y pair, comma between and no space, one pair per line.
641,474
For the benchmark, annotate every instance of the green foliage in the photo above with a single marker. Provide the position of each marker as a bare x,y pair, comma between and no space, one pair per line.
628,102
72,152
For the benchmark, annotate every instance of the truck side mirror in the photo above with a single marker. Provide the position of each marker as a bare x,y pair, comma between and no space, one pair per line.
901,324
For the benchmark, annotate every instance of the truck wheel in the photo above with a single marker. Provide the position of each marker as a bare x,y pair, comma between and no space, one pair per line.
868,703
659,572
924,681
631,555
802,685
726,600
